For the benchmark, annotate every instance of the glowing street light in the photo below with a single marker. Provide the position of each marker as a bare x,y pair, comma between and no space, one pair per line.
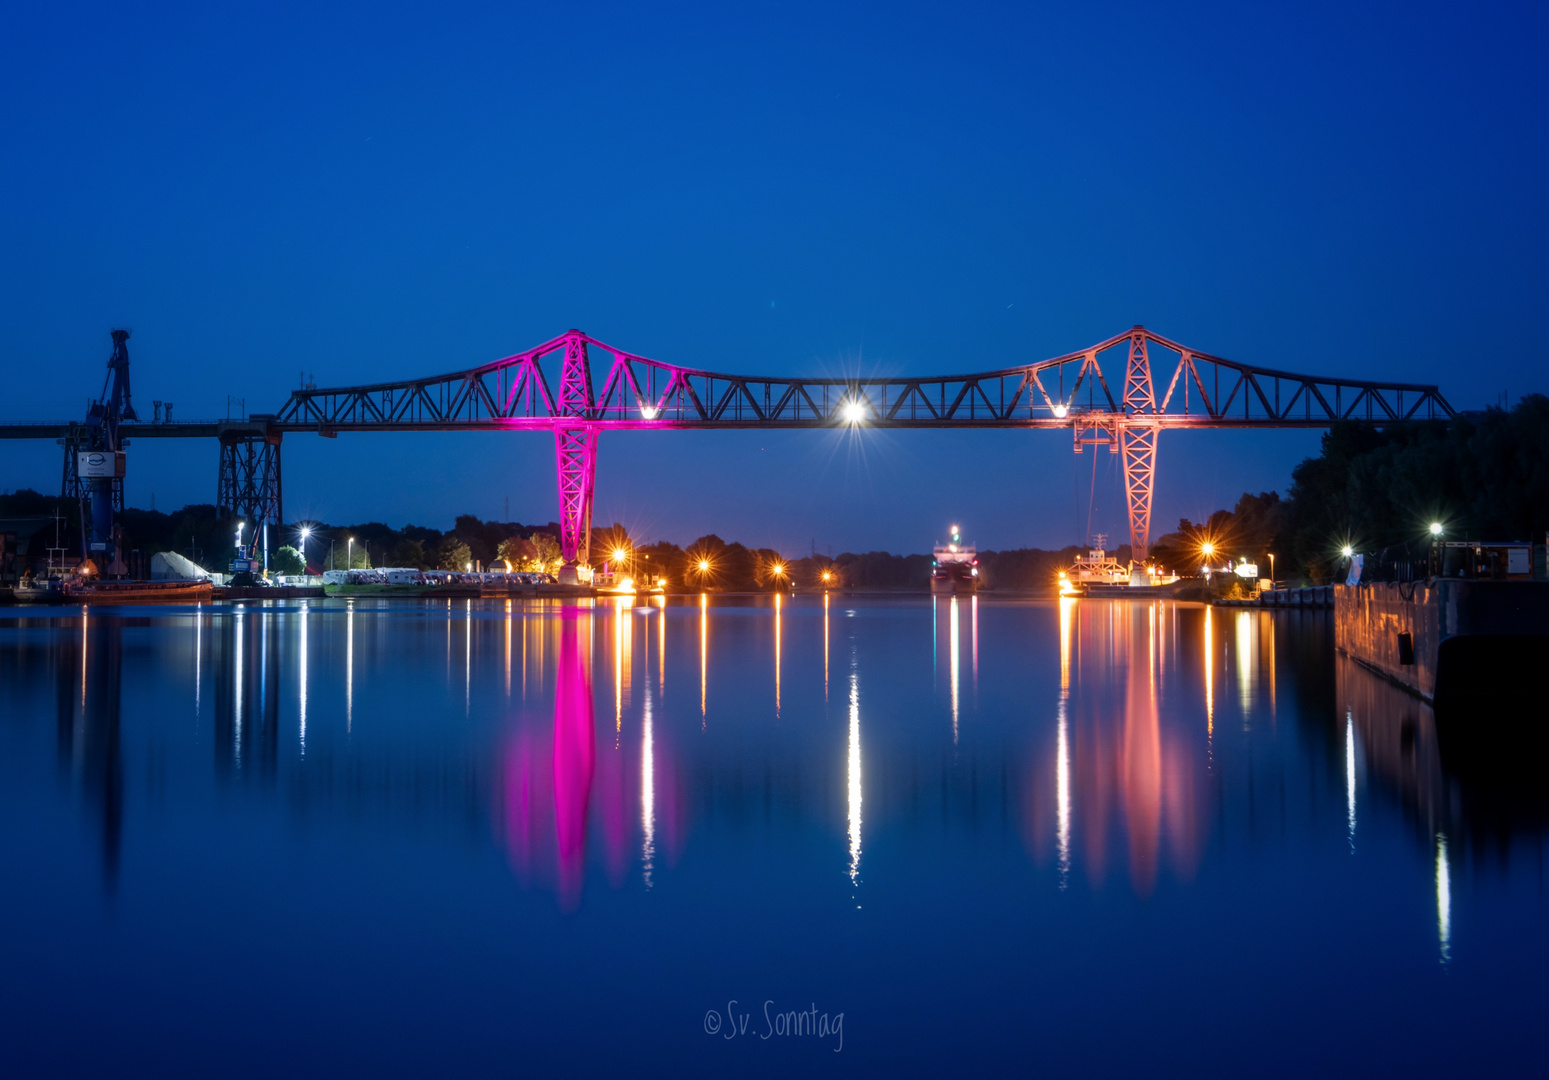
704,566
854,412
1435,528
1208,548
827,577
1061,411
1347,551
349,553
649,412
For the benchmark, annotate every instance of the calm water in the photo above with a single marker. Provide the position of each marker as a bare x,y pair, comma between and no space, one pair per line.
1082,838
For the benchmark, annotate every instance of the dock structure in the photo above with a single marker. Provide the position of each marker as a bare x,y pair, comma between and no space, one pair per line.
1455,643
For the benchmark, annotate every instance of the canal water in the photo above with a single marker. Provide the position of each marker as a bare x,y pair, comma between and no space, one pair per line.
718,836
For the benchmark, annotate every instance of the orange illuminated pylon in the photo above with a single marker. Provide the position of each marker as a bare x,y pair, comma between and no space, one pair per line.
1138,439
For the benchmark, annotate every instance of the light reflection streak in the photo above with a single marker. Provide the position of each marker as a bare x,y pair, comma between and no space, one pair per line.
623,658
508,648
704,653
648,793
1062,793
952,646
1062,749
236,738
974,637
468,658
349,659
661,648
198,655
1067,613
853,771
1210,705
777,654
1245,664
1267,629
1443,899
302,644
1350,774
825,645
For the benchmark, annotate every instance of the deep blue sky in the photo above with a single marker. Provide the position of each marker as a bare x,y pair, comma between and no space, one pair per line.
385,192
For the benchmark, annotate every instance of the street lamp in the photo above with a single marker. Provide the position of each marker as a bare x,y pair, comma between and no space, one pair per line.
827,577
1435,528
1271,569
349,553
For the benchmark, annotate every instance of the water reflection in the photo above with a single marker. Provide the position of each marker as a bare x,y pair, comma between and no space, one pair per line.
853,774
1094,733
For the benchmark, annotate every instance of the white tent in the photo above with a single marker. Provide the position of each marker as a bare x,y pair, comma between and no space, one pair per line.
170,566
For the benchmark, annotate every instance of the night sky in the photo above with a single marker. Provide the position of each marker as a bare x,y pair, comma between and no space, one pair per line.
390,192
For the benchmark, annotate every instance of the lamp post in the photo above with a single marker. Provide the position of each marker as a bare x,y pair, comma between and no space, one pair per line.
1436,549
349,553
305,532
1271,570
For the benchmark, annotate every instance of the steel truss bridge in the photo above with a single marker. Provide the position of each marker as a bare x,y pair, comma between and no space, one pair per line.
554,388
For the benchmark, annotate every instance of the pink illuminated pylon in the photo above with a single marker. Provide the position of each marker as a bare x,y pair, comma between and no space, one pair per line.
1137,436
575,452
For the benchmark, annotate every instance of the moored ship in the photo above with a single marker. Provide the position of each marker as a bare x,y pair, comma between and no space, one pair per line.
954,566
82,591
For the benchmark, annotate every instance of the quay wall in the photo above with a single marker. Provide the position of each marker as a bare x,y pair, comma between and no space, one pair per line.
1469,638
1370,622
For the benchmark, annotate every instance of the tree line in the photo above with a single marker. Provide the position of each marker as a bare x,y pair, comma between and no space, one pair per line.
1483,476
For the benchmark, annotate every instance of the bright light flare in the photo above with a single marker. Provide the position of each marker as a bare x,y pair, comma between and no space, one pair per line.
854,412
1435,528
649,412
1347,551
704,566
619,554
1060,412
1208,548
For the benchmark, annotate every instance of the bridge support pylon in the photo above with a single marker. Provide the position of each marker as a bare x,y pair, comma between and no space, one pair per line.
575,456
1137,438
248,486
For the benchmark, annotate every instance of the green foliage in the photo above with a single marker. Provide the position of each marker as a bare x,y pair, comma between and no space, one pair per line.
548,549
287,560
408,553
453,554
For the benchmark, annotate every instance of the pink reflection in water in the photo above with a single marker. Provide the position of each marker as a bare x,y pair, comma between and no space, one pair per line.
554,780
